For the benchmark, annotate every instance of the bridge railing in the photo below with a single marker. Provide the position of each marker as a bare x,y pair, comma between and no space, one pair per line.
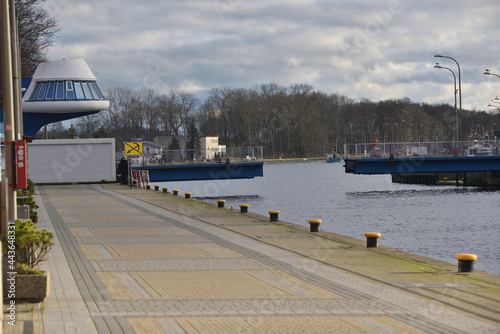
234,154
421,149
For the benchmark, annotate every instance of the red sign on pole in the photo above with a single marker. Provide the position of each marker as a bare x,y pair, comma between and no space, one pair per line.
21,165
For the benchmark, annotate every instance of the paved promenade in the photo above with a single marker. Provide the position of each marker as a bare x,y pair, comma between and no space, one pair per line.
139,261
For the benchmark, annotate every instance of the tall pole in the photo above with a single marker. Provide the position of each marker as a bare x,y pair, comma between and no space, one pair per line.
459,79
16,73
455,92
8,108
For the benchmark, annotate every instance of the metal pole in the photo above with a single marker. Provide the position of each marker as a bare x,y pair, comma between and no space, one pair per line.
16,72
455,93
459,79
8,108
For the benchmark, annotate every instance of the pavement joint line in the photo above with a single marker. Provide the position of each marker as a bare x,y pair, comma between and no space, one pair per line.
104,252
133,286
363,286
287,285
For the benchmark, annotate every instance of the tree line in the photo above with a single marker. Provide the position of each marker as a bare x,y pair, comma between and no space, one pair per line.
288,121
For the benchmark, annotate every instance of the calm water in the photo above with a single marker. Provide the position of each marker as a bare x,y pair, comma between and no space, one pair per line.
436,222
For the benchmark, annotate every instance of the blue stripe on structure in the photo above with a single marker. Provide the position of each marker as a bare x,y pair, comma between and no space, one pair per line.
427,165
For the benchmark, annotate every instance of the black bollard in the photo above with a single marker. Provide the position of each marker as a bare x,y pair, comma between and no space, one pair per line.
466,262
273,216
372,239
314,225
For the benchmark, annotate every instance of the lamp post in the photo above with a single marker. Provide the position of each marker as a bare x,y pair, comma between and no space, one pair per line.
455,82
487,72
459,78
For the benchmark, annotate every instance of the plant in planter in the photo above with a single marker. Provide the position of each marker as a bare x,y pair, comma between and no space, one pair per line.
28,193
31,247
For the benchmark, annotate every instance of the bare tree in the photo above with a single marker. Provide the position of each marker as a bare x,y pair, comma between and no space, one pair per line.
36,30
175,108
149,102
113,117
87,126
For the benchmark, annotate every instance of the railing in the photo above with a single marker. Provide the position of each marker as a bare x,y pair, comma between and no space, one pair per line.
425,149
234,154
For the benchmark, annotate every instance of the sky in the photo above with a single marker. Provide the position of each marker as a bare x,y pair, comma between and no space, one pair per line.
372,49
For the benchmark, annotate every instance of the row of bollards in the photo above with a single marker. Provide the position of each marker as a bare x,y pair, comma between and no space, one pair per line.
465,261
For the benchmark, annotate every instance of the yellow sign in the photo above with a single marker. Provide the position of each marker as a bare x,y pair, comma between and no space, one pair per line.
133,148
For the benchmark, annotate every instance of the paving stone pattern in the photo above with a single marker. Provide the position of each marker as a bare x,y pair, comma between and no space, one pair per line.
123,265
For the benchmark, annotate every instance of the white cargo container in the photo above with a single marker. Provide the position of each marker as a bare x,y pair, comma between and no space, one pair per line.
72,160
417,151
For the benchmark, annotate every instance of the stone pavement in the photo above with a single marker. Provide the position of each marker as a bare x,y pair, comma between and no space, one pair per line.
139,261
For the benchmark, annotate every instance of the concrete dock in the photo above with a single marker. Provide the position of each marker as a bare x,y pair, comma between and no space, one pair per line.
140,261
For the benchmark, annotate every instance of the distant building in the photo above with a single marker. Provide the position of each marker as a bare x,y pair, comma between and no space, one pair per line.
151,151
209,146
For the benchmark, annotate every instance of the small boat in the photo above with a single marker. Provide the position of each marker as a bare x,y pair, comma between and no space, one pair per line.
478,145
477,149
332,157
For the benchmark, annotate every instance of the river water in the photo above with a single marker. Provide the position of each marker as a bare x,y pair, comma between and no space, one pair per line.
433,221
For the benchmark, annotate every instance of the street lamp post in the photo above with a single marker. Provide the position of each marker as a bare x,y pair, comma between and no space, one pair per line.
455,82
487,72
459,82
459,78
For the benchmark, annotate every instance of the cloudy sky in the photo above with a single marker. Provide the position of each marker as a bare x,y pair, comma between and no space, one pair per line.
374,49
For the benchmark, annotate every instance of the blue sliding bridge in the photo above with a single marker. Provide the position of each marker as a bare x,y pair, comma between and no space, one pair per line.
422,165
205,171
409,162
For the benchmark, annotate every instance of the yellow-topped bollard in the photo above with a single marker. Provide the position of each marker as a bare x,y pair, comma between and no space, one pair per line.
187,195
165,190
175,192
134,182
157,187
244,208
148,186
273,215
372,239
220,203
314,225
466,262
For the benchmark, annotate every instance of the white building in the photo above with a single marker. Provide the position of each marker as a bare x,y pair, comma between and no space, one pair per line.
209,146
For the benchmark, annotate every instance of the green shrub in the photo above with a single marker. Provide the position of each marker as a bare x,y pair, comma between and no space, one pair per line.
29,192
32,245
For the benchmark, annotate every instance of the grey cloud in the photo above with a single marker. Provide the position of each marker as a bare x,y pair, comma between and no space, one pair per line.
345,46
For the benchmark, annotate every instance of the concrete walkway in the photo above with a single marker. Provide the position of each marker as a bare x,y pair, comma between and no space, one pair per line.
138,261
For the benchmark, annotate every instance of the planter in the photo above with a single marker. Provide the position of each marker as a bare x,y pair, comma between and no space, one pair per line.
28,288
